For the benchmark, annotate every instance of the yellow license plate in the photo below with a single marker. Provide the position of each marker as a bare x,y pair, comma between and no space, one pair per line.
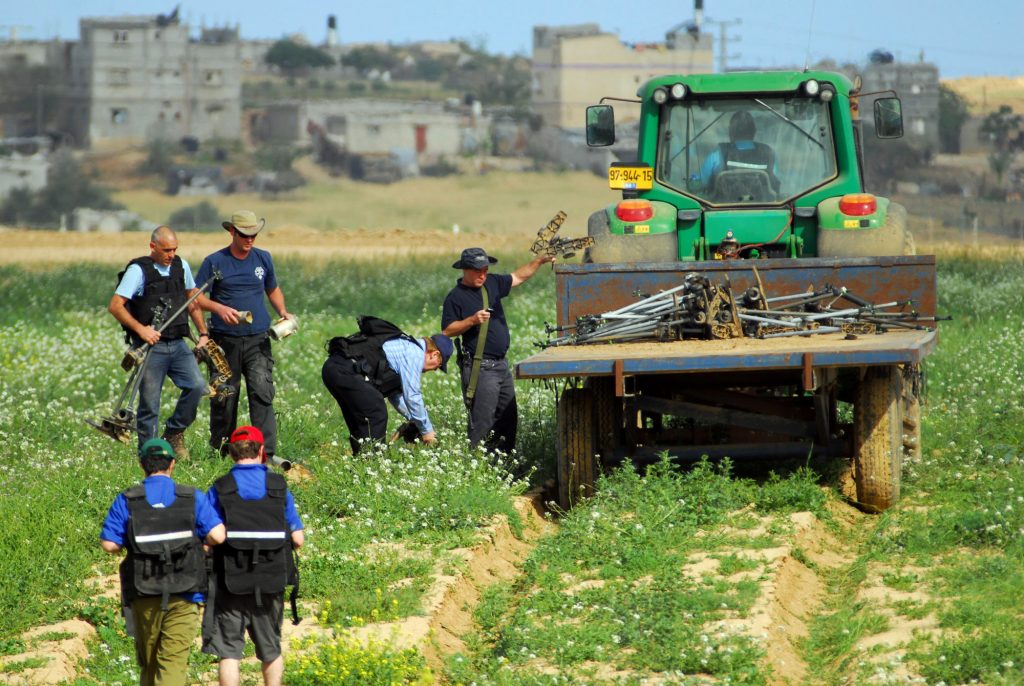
630,178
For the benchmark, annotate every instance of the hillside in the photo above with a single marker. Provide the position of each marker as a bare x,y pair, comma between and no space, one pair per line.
986,93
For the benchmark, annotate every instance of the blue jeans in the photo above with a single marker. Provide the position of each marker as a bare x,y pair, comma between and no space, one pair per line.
171,359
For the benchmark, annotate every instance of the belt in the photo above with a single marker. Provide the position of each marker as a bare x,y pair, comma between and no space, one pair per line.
492,358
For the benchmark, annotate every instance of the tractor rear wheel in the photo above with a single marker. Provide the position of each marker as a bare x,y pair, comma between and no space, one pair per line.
610,247
878,438
892,238
575,447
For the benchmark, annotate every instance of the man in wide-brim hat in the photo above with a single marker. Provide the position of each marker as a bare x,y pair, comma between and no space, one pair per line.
247,276
474,312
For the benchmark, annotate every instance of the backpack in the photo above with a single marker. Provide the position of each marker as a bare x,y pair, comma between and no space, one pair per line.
365,349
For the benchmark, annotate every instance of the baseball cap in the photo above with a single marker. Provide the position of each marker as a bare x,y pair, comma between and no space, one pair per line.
445,345
156,447
245,223
474,258
246,433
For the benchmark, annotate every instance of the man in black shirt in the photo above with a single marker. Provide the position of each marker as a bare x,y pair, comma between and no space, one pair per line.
473,306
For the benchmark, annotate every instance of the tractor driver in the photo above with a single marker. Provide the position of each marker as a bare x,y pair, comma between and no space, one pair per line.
741,153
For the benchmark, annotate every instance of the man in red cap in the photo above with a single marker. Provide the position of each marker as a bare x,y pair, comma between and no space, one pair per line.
256,563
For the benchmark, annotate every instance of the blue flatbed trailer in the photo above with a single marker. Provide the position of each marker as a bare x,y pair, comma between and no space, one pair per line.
742,397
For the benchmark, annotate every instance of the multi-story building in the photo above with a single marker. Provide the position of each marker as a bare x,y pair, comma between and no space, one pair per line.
574,66
917,84
140,78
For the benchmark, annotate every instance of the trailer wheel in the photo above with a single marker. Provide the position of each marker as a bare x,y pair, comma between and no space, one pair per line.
878,438
912,413
575,446
607,416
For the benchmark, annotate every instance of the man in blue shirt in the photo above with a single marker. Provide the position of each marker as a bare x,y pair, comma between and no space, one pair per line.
255,564
386,368
162,281
247,277
163,526
475,302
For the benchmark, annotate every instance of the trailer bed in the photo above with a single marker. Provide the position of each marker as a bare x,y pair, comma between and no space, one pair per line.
740,354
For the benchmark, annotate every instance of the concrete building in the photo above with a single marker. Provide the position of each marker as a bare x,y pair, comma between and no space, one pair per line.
24,163
140,78
917,84
19,54
366,126
574,66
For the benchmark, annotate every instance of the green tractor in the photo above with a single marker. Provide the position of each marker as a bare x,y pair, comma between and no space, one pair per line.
747,165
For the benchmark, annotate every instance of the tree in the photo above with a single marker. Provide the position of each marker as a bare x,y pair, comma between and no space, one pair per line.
367,57
277,157
953,112
67,188
199,217
293,59
1001,127
159,158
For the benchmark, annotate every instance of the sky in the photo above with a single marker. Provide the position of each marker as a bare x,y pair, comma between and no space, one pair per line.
965,38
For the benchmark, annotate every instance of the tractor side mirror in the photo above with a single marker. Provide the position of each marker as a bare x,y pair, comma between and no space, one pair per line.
600,126
888,118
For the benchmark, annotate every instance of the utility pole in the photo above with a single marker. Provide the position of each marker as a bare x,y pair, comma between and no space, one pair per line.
723,42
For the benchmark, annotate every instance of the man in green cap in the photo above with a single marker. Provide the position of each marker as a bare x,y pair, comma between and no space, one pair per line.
162,526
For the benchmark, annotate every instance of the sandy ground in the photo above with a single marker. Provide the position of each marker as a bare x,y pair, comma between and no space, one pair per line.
41,248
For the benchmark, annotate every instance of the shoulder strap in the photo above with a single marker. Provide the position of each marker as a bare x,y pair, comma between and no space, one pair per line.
183,491
276,484
135,492
226,484
478,354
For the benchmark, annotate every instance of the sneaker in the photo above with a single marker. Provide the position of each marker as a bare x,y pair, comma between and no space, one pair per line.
177,441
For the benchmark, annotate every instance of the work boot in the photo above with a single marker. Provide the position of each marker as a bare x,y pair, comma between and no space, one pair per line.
177,441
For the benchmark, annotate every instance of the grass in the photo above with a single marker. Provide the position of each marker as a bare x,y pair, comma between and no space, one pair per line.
611,596
60,475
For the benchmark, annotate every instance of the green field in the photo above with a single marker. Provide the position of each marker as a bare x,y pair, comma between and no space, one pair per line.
605,599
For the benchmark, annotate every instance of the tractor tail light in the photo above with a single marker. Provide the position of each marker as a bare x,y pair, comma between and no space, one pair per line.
634,210
858,204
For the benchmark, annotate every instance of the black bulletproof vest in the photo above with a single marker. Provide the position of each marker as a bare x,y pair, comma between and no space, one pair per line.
758,158
366,350
158,291
256,558
164,554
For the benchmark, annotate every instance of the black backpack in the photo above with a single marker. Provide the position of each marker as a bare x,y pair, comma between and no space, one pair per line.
365,349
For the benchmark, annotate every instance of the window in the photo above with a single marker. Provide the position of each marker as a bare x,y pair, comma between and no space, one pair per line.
776,149
918,126
213,77
118,77
120,36
373,128
118,115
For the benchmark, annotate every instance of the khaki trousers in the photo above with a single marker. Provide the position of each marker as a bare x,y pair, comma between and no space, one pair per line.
163,639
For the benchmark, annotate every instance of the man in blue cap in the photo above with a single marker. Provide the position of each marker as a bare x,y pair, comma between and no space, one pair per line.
364,369
473,310
163,526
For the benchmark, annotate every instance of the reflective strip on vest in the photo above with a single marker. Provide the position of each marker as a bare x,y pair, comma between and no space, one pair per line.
746,165
172,536
256,534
